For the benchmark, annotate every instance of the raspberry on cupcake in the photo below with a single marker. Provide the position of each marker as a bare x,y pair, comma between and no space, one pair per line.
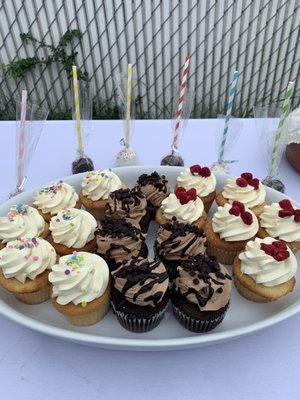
203,180
265,271
184,205
246,189
231,227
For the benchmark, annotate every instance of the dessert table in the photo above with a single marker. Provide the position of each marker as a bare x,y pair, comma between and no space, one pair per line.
32,366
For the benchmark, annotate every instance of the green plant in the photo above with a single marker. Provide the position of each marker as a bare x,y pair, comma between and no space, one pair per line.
59,54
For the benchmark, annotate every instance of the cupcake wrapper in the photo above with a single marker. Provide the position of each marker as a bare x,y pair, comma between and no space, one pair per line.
34,297
223,256
195,325
139,325
90,318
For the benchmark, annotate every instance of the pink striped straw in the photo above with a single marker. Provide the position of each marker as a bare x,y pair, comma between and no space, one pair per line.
182,88
21,144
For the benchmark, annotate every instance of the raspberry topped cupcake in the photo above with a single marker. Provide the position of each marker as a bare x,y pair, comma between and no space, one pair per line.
130,204
49,200
176,242
281,221
184,205
203,180
95,190
245,189
155,189
71,230
231,227
118,240
265,271
22,220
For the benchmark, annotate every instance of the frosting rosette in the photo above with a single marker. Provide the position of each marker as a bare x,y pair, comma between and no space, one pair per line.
281,222
189,212
26,258
99,184
233,222
268,262
73,227
21,220
246,189
79,278
202,179
54,198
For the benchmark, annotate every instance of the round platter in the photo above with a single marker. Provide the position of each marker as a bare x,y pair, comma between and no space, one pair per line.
243,317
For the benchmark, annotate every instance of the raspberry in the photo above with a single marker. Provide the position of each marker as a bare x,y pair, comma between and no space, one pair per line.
285,213
192,194
234,211
247,176
239,205
205,172
247,218
179,190
281,256
267,248
183,198
241,182
297,216
195,169
286,205
255,183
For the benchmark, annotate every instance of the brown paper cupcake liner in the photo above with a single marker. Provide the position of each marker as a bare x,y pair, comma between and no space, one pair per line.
139,325
34,297
90,318
194,325
223,256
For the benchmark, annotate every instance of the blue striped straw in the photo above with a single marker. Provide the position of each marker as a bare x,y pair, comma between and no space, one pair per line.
232,93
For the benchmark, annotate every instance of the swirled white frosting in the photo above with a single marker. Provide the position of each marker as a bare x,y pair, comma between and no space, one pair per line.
232,228
99,184
189,212
26,258
263,268
79,278
21,220
73,227
282,228
246,195
53,198
203,185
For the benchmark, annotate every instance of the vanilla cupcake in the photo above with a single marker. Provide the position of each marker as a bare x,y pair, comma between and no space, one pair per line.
184,205
81,288
22,220
265,271
24,269
231,227
73,230
95,190
203,180
281,221
49,200
247,190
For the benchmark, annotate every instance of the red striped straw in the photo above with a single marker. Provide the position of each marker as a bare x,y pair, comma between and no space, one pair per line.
21,143
182,88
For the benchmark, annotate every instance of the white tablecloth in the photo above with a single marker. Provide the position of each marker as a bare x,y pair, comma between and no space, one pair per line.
265,365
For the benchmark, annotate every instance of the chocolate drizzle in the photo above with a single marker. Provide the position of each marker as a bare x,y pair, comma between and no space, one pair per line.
139,271
202,269
127,198
155,180
118,228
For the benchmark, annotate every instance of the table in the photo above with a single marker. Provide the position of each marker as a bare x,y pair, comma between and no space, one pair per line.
264,365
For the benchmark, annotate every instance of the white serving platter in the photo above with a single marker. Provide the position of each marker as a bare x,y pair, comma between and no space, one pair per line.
243,317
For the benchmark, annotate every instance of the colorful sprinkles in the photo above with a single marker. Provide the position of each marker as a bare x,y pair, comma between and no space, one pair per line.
18,209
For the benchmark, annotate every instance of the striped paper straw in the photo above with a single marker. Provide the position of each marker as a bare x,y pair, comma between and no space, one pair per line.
77,111
182,88
277,142
128,105
21,144
232,93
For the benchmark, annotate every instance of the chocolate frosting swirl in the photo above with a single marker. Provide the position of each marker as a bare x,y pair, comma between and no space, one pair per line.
203,281
142,282
118,239
154,187
127,203
177,241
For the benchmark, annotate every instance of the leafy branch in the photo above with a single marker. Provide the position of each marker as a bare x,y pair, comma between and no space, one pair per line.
58,54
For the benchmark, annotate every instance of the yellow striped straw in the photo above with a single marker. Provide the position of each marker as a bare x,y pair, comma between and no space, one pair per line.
77,111
128,104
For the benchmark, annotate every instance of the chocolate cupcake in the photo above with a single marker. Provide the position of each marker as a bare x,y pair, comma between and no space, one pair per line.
140,294
130,204
118,240
176,242
155,189
201,293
